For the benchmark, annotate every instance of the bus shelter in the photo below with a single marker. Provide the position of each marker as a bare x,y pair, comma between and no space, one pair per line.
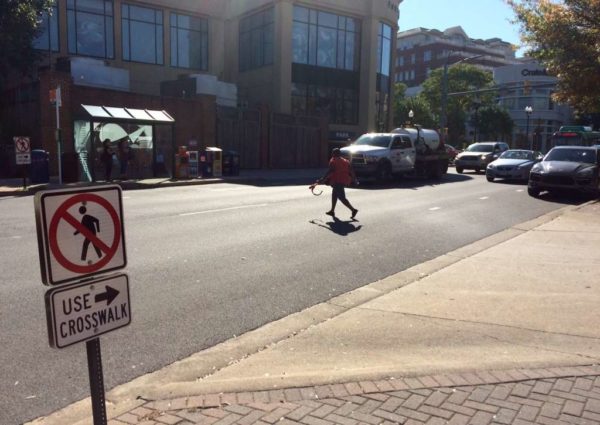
148,135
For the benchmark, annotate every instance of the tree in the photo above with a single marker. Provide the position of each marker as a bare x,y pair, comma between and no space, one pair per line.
565,37
402,105
461,78
493,123
19,23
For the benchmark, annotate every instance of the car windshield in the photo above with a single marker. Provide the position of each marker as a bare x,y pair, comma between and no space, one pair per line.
480,147
373,140
517,155
572,155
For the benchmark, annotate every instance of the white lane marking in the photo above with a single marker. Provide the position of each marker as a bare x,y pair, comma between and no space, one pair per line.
434,209
126,197
12,237
484,198
223,209
520,190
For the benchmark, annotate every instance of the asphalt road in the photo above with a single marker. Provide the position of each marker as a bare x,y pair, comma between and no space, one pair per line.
210,262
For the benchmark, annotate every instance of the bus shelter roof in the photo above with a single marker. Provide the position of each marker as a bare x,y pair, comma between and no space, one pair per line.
130,115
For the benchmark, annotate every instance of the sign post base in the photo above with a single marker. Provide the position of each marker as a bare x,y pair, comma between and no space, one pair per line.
94,357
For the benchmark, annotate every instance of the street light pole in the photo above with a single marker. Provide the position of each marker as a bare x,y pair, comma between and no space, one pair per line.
528,111
444,106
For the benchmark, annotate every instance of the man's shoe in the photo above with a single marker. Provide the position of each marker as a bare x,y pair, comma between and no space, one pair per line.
331,213
354,212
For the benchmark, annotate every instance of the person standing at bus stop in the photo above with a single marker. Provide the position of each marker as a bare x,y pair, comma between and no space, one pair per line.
339,175
107,159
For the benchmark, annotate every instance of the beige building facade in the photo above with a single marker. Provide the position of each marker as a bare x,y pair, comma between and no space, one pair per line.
327,58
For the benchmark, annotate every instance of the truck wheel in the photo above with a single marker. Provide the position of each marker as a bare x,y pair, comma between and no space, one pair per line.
489,178
533,192
459,170
384,172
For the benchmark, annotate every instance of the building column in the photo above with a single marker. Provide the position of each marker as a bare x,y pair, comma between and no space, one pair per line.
282,83
368,75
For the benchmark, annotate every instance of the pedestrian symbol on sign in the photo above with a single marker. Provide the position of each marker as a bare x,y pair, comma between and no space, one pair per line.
92,224
81,232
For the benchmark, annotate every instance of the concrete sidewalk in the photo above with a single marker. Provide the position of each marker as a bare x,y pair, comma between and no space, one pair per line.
505,330
14,187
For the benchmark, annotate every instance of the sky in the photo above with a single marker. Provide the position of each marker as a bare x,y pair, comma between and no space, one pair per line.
479,18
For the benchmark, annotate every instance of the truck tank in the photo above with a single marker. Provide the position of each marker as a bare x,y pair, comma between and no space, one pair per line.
428,139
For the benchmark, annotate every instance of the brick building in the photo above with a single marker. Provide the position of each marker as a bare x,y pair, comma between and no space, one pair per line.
421,50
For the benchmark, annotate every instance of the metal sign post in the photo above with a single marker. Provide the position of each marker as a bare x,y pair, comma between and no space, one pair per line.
94,357
23,156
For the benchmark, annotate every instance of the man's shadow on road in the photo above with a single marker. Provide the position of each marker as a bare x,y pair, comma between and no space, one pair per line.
342,228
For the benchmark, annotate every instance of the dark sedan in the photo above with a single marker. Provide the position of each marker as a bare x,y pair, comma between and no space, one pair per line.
571,168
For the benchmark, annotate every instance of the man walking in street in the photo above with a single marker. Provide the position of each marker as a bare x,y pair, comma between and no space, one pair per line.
339,175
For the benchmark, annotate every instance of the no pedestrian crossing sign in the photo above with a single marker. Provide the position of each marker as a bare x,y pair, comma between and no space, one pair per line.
81,311
80,232
22,150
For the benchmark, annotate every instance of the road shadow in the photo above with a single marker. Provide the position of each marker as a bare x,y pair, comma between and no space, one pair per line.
566,197
410,182
340,227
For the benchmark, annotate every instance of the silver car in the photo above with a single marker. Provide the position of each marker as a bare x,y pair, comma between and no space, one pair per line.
514,164
478,155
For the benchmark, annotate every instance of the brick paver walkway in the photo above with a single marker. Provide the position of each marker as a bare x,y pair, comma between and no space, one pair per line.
569,395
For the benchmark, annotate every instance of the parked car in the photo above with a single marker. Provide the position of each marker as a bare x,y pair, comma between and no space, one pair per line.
571,168
478,155
452,152
513,164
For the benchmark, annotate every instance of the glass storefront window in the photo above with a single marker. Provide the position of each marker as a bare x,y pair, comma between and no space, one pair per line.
142,34
340,105
189,42
48,36
325,39
256,40
90,28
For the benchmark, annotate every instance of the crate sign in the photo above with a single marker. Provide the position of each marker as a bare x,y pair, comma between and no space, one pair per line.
80,232
82,311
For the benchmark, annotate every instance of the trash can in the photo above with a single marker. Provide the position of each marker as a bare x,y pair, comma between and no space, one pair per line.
39,171
70,167
231,163
214,160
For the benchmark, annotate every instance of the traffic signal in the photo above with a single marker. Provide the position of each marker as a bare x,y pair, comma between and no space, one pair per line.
526,88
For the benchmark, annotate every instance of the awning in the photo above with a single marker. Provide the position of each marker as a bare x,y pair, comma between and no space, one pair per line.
139,116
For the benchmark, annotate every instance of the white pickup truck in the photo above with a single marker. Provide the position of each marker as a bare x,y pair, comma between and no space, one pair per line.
402,151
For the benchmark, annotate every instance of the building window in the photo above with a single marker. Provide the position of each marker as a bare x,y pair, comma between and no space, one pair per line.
90,28
256,40
189,42
325,39
413,58
142,34
340,105
427,55
384,49
47,38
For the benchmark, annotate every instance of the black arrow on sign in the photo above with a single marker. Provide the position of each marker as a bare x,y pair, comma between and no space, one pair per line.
109,295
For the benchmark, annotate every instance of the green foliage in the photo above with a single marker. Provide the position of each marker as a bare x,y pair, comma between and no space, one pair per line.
402,105
19,23
461,78
492,123
565,37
